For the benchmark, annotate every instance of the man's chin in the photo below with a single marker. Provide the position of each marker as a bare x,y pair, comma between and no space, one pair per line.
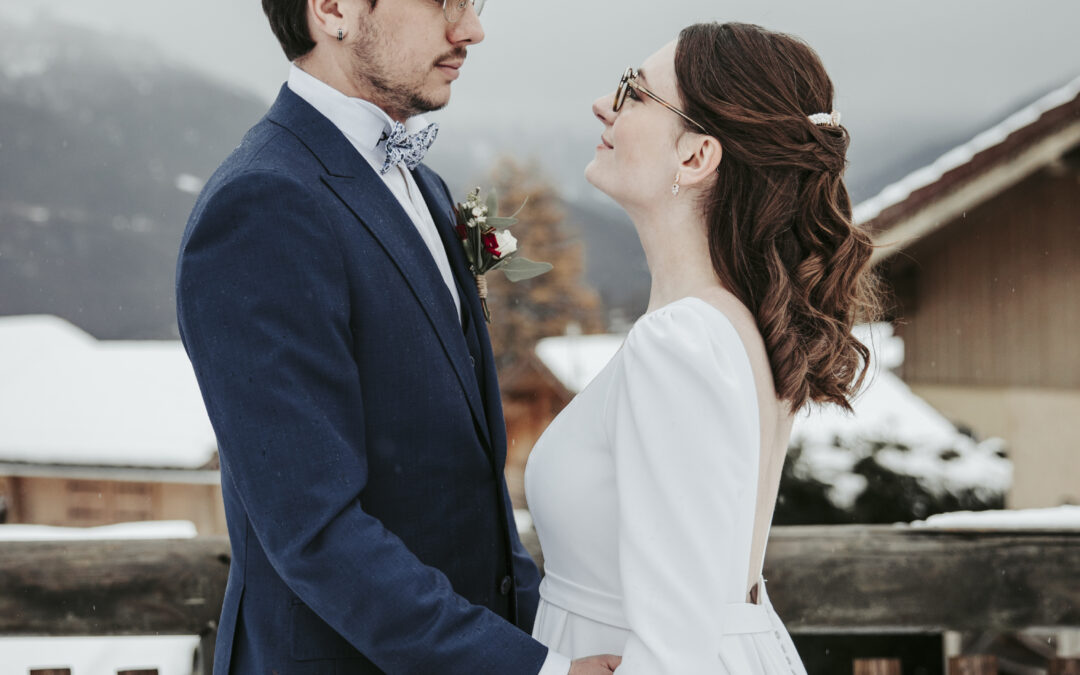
436,99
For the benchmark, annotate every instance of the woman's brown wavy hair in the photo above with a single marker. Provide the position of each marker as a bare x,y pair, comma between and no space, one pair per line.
779,218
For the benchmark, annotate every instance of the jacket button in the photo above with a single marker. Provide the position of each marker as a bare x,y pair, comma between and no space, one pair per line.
506,586
472,360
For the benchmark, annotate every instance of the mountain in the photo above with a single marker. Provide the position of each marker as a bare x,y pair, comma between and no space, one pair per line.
103,147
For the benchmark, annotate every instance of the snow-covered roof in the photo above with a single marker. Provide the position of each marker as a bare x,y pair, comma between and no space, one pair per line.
577,359
1066,517
150,529
885,409
1002,146
921,442
68,398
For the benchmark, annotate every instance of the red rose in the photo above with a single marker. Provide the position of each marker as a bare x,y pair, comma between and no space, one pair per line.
492,244
462,233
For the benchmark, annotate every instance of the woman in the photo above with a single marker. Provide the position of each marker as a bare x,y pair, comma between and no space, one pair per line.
653,492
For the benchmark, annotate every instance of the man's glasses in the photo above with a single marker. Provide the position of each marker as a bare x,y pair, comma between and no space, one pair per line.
455,9
629,81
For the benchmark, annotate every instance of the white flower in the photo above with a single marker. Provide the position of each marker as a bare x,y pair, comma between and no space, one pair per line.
479,211
481,219
507,242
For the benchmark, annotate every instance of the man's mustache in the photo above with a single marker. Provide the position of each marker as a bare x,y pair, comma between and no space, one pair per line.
456,54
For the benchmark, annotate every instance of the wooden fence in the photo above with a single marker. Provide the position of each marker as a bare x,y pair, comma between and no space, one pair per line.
834,579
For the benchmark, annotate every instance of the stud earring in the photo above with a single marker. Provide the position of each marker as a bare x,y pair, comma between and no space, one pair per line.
340,35
675,187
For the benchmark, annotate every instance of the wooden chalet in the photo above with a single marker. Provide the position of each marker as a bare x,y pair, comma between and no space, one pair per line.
981,250
101,432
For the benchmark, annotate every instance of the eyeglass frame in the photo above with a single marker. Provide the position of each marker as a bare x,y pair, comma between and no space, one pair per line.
460,5
629,80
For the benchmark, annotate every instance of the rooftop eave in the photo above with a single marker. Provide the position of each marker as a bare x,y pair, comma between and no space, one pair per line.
940,211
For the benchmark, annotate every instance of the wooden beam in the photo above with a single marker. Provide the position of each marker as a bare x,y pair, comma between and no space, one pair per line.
821,579
112,587
875,579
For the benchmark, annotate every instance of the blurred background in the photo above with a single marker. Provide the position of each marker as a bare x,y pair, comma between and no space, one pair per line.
965,120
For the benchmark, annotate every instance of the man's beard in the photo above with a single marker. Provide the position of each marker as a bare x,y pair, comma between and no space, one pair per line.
398,99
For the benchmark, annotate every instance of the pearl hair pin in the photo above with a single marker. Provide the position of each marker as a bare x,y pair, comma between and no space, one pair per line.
826,119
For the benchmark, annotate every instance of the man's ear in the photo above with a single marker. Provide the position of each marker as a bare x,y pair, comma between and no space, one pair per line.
327,17
700,155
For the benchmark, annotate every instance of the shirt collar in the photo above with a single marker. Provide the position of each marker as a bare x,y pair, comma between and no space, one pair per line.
363,123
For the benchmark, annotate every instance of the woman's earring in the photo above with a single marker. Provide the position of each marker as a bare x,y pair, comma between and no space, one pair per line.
340,35
675,187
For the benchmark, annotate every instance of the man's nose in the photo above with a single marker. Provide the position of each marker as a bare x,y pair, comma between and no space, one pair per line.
467,29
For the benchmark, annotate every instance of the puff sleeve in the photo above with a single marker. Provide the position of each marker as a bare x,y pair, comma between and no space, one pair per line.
682,419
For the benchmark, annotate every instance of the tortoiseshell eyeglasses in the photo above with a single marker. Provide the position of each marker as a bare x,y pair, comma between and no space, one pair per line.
629,81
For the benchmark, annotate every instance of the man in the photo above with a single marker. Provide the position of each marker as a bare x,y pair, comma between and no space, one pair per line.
345,365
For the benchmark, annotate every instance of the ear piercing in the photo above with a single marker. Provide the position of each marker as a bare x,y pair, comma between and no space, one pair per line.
675,187
340,34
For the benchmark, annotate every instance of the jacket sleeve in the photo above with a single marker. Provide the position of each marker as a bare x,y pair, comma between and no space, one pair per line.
684,431
263,306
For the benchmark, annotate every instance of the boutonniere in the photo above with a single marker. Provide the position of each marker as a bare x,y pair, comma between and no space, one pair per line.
489,245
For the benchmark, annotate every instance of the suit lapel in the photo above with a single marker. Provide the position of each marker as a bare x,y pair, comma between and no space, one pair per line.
377,209
442,212
443,215
353,180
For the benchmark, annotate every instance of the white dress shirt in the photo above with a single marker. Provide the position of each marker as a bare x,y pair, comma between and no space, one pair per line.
364,124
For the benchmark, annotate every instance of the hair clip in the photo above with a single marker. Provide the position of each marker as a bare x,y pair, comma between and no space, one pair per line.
828,119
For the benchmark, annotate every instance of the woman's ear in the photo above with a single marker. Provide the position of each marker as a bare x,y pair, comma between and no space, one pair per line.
700,155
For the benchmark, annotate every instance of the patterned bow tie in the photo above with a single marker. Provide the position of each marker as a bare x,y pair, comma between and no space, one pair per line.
405,148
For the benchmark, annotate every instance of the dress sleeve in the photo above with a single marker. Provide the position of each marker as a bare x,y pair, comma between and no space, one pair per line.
682,420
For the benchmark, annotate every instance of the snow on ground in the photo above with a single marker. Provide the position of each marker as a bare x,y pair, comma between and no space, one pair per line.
1065,517
67,398
171,655
152,529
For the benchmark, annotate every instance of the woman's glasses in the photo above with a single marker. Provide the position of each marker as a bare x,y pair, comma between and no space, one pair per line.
454,9
629,81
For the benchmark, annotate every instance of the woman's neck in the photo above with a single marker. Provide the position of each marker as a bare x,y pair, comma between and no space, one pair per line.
677,251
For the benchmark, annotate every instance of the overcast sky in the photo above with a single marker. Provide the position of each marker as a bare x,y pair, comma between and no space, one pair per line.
907,73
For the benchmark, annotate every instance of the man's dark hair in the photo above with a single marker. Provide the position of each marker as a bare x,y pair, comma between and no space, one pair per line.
288,20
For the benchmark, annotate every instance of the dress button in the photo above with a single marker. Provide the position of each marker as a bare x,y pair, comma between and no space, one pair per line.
506,586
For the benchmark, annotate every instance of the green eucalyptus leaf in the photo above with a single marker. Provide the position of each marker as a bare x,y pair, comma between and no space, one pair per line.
502,223
492,203
519,269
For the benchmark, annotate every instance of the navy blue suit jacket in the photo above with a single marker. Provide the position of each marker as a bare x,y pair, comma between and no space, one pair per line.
359,426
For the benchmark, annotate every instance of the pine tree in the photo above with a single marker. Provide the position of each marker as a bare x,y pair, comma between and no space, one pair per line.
547,305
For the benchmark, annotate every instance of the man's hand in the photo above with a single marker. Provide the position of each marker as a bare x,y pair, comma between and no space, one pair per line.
595,665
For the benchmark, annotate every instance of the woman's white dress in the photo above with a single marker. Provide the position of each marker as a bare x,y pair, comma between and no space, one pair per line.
643,492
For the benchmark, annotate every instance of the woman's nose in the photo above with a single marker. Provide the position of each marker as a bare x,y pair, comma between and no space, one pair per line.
602,108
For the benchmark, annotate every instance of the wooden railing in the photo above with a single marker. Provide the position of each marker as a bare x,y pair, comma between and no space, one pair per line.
834,579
